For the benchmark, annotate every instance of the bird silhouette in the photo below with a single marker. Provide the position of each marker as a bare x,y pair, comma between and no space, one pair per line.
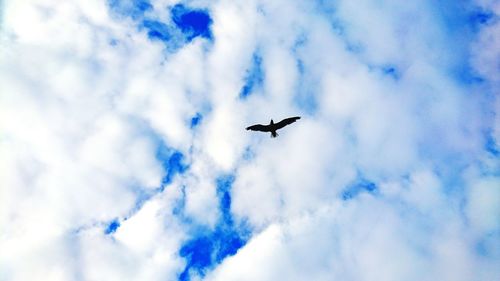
273,127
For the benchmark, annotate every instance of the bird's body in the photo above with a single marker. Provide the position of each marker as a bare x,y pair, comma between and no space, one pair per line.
273,127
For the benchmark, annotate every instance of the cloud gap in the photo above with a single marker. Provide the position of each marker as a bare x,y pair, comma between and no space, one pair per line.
466,75
187,23
304,97
487,246
254,77
491,146
196,120
192,22
131,8
172,162
359,186
112,227
391,71
479,18
210,247
156,30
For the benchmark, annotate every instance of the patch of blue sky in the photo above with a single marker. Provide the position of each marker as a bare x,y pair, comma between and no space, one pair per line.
156,30
478,18
301,67
207,249
391,71
460,69
198,253
180,205
210,247
306,101
132,8
300,42
248,154
230,242
113,42
338,27
112,227
465,74
357,187
172,161
328,9
454,16
488,246
254,77
490,145
224,184
192,22
460,24
468,75
450,171
186,24
305,97
196,120
173,164
462,27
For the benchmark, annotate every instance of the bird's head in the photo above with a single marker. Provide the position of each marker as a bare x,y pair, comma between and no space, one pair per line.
272,122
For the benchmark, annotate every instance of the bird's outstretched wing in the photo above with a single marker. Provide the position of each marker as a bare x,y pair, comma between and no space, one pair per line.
286,121
259,127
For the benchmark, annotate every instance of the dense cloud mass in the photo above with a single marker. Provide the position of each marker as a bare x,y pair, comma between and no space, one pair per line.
123,154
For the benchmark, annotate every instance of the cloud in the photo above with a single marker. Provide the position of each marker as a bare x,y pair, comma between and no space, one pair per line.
123,153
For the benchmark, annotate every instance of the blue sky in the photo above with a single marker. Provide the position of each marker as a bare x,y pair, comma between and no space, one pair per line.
124,156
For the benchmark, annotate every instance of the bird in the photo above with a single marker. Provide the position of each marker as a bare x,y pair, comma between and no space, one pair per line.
273,127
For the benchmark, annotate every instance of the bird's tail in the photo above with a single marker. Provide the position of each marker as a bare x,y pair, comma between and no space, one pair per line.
274,134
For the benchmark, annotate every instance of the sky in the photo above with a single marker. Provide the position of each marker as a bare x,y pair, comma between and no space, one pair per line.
124,154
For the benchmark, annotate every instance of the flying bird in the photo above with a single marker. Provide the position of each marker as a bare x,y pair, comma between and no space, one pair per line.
273,127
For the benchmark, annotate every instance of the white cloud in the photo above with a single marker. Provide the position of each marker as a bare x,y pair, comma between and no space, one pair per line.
87,98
